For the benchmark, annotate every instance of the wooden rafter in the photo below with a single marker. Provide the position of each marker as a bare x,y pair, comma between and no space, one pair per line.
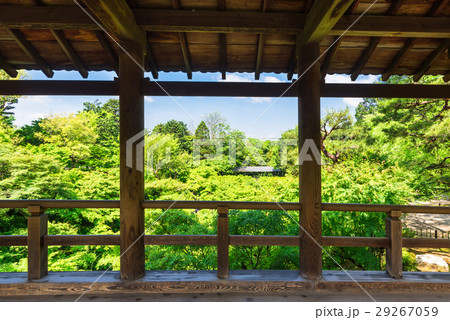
31,51
430,59
109,50
150,62
184,44
322,17
436,8
260,47
223,54
393,9
117,17
70,52
447,77
9,69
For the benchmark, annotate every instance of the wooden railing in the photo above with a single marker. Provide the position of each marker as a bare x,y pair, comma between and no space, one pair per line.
38,239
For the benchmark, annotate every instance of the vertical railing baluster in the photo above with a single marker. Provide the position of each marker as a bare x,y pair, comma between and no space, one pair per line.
223,242
394,265
37,249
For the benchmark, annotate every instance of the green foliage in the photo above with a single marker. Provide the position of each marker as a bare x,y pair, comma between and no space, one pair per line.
202,131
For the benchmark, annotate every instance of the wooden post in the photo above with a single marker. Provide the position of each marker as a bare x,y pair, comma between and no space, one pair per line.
132,250
223,241
394,250
309,169
37,250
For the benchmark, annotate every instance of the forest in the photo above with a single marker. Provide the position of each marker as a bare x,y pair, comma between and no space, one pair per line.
390,151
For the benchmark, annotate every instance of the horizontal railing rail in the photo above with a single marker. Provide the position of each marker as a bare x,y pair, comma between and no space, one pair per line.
38,240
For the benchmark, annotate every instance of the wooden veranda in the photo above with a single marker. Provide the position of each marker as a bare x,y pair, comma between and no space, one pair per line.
304,37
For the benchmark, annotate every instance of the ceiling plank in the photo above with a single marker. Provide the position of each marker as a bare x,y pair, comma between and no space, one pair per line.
108,48
31,51
117,17
393,9
437,7
70,52
430,59
64,18
322,17
9,69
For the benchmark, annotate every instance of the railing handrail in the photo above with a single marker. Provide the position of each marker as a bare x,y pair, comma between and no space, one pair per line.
242,205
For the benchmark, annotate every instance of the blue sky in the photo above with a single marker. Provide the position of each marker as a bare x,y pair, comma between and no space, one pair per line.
240,112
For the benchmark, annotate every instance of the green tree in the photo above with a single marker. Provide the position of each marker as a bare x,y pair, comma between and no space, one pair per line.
202,131
178,129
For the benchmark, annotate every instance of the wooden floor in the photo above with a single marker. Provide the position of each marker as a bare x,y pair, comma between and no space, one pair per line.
263,285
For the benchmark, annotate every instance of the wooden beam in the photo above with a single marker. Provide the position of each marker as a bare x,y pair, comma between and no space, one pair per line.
365,57
117,17
150,63
430,59
393,227
407,47
223,54
184,44
72,18
9,69
436,8
37,249
70,52
309,169
108,48
396,4
31,51
259,54
221,89
322,17
446,77
131,98
260,47
186,55
223,243
330,56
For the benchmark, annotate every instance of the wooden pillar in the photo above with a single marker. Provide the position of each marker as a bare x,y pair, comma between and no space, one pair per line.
309,168
394,263
132,250
37,250
223,241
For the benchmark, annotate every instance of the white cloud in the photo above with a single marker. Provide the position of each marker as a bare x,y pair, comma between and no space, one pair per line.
344,78
270,79
352,102
260,99
149,99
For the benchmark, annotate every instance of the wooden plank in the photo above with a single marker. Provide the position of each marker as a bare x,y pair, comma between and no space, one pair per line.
430,59
166,204
72,18
9,69
8,241
31,51
117,17
70,52
223,242
131,99
375,242
180,240
37,249
394,264
309,169
107,47
82,240
425,243
384,208
322,17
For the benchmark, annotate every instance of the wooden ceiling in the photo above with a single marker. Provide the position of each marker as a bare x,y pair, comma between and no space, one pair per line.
405,37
